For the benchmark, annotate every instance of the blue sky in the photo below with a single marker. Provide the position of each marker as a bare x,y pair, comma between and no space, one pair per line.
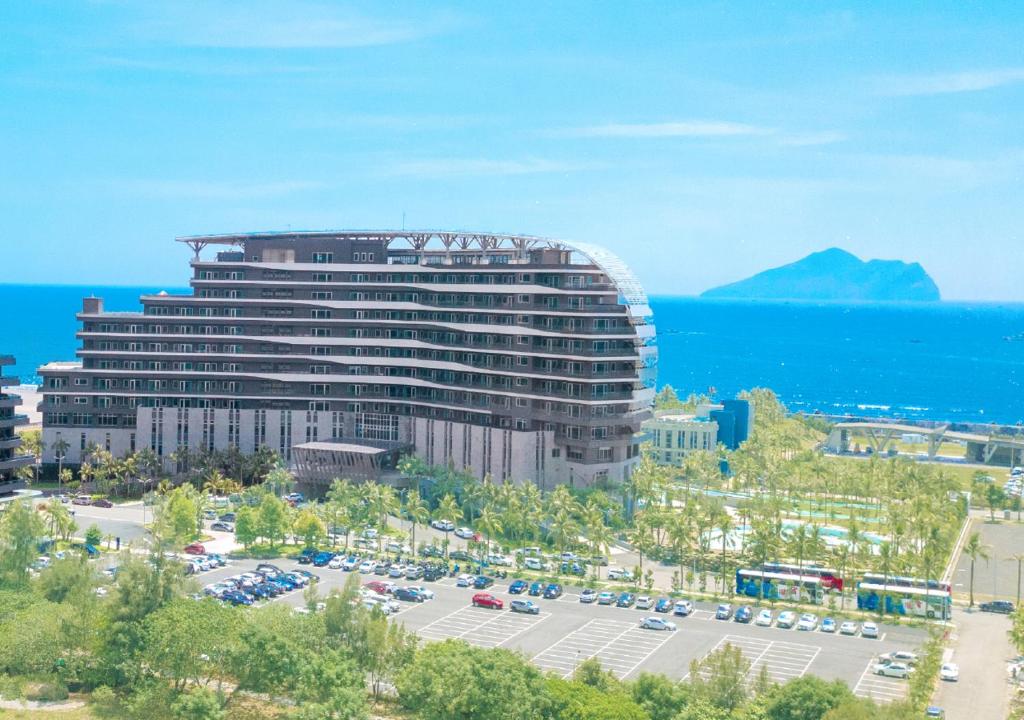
702,142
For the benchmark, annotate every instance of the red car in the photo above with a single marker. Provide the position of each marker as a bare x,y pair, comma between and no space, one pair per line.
380,587
487,600
195,549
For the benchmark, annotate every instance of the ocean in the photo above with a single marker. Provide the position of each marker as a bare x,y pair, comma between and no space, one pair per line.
957,362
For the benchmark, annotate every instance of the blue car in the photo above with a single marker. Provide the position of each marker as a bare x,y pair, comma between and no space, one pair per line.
236,597
286,582
482,582
744,615
517,587
536,588
553,591
625,600
408,594
322,558
663,605
260,592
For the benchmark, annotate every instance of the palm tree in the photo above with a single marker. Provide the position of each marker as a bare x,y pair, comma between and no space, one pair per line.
975,549
1019,559
599,534
489,524
724,525
60,450
680,534
448,509
417,512
885,556
564,530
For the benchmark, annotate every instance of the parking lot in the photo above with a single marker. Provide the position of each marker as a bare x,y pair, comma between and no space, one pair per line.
567,632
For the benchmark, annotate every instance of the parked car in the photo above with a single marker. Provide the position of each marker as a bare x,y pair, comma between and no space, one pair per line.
764,618
553,591
396,570
195,549
482,582
381,568
625,600
849,627
461,556
381,587
950,672
606,598
102,503
268,568
425,592
893,670
744,614
644,602
465,533
532,563
465,580
487,600
997,606
869,630
828,625
408,594
620,574
787,619
222,526
499,560
370,533
536,588
431,551
588,595
682,608
367,566
901,656
663,605
336,562
724,611
227,517
808,622
573,568
414,572
933,711
434,572
81,500
656,623
524,606
518,587
321,559
442,525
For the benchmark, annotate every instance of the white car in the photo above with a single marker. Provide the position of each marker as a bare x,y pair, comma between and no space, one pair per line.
367,566
396,571
532,563
808,622
370,533
399,548
787,619
848,628
682,608
465,533
350,563
442,525
949,672
657,623
465,580
336,562
644,602
587,595
901,656
764,618
606,598
500,560
619,574
893,670
869,630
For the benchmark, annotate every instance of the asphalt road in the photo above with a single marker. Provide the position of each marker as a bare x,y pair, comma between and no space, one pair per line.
997,576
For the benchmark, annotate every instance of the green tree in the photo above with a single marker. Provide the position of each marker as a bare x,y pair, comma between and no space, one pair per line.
271,519
21,529
995,498
383,650
199,704
190,643
976,550
659,696
179,516
93,535
475,683
69,580
417,512
806,698
330,687
490,525
720,678
246,526
575,700
309,528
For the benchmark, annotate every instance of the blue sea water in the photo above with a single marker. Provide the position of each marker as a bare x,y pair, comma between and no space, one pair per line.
940,361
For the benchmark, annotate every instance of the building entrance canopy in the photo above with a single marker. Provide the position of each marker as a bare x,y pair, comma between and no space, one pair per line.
321,462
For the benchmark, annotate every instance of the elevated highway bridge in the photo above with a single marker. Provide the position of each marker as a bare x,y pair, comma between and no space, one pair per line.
879,437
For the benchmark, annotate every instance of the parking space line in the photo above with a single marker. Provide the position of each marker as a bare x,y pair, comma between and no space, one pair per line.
881,689
484,628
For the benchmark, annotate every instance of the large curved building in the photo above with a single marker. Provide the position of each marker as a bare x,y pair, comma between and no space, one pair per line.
520,357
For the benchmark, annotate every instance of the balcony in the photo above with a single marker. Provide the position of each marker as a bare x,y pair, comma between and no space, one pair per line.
10,443
18,461
13,421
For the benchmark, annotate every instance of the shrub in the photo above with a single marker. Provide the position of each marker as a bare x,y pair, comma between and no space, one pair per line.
47,692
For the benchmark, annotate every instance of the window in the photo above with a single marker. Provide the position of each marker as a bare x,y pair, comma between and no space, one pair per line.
318,369
321,294
321,332
322,277
320,314
323,257
318,388
320,350
374,426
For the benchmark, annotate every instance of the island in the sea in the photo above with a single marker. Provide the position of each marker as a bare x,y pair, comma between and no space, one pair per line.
837,275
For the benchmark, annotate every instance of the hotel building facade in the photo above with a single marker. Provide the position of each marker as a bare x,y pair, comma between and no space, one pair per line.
523,358
11,458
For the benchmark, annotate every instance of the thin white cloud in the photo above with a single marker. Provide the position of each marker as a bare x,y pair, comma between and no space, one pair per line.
208,190
455,167
826,137
689,128
956,82
271,24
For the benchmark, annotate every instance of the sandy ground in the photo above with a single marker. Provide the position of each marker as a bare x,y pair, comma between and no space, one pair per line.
30,398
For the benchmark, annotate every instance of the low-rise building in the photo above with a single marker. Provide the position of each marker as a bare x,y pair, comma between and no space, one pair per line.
674,434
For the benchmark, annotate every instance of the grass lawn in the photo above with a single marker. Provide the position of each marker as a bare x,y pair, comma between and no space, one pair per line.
82,713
